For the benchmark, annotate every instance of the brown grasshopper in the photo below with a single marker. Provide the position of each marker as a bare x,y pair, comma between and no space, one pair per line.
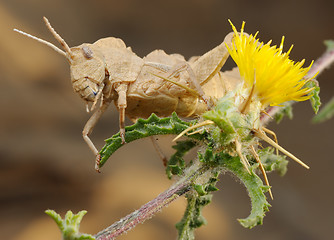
108,70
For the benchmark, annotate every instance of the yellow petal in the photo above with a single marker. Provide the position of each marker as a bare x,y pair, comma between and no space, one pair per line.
277,79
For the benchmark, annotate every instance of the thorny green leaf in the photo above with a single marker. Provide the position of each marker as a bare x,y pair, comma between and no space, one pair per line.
192,217
273,162
255,189
197,199
145,128
325,113
185,232
315,99
284,110
176,164
200,189
252,182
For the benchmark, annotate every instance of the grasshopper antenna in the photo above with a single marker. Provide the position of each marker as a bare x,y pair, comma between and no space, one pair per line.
58,38
56,35
42,41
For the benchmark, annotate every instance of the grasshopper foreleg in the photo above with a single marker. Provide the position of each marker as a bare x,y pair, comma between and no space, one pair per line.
90,126
121,89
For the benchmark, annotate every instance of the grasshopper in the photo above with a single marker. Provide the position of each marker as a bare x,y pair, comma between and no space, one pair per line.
159,83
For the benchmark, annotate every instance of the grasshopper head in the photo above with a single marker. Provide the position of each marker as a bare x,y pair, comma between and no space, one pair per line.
87,71
87,65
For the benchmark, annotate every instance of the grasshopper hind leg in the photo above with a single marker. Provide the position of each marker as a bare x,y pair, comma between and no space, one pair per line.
176,70
121,89
159,151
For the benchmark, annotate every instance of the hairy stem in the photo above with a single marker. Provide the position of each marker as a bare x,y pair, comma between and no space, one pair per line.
323,62
149,209
145,212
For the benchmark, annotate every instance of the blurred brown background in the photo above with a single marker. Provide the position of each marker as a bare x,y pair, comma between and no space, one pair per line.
46,164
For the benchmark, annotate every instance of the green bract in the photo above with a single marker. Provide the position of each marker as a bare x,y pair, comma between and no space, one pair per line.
69,226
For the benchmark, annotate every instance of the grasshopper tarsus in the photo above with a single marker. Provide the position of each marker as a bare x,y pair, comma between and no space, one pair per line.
97,163
122,134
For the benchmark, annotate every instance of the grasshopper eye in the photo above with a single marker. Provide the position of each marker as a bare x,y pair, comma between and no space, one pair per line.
87,52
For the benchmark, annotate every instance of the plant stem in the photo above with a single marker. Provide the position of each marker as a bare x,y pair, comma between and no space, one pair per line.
149,209
145,212
323,62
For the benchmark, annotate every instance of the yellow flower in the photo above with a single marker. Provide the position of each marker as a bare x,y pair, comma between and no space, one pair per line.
277,79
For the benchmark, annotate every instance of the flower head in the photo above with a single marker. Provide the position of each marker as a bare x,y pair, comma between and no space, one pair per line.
275,77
